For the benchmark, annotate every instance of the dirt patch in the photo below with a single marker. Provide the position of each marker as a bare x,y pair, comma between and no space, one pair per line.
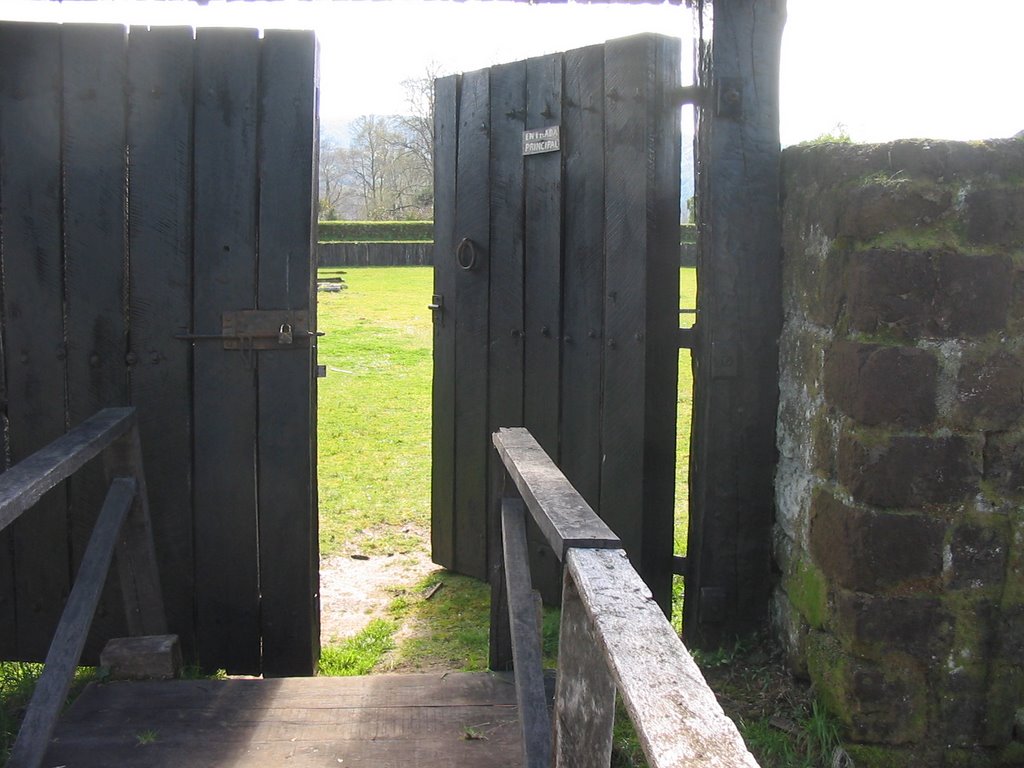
355,590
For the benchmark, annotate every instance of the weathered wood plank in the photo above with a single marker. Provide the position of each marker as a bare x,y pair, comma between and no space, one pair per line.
472,226
677,718
499,651
94,58
137,565
641,140
160,94
583,271
52,689
505,314
543,242
442,474
454,720
542,353
224,394
24,484
505,304
34,351
289,557
739,300
585,693
534,721
565,519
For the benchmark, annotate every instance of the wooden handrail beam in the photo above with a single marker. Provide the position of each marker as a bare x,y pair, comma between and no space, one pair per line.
563,516
23,484
677,718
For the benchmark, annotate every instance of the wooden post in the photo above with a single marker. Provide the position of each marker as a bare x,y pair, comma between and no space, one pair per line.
500,638
136,552
585,692
739,304
525,630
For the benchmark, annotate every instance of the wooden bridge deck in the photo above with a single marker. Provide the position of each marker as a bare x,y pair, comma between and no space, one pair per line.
384,721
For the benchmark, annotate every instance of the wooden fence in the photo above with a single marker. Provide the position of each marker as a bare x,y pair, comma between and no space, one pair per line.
612,637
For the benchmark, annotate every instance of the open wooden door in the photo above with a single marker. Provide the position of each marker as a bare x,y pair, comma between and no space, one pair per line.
556,291
156,226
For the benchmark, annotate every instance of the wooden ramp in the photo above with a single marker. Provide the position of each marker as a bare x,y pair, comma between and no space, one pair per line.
445,720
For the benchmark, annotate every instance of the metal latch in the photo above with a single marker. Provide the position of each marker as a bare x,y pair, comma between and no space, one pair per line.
260,329
436,306
265,328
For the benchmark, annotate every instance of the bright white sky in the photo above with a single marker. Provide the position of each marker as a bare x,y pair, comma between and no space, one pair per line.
885,69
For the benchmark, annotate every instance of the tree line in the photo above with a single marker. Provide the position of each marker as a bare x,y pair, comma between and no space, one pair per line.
386,170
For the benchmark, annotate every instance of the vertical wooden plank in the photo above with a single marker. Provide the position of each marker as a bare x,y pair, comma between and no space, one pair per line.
442,443
94,65
739,299
662,321
534,722
160,88
505,303
30,208
289,558
472,228
505,309
543,279
583,271
640,372
224,391
543,293
585,692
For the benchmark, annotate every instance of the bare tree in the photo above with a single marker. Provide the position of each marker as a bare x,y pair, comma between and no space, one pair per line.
418,124
385,172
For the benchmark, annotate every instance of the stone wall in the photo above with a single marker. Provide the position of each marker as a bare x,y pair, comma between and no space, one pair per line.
900,485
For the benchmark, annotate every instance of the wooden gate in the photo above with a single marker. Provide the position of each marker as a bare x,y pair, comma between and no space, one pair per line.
155,188
556,281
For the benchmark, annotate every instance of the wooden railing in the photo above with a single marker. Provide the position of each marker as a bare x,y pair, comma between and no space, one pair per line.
123,523
613,636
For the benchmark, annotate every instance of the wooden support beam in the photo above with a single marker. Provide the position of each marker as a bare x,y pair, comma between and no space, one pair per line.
562,515
732,456
529,668
136,550
23,484
52,689
585,691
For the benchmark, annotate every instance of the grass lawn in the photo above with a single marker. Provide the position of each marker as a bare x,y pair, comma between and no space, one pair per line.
374,411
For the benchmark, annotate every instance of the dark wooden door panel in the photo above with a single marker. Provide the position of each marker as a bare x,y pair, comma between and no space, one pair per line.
150,182
566,323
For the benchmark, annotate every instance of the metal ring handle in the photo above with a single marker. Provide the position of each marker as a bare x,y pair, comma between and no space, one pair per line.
466,245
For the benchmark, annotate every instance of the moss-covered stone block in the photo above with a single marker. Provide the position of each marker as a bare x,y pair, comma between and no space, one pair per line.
915,626
910,471
887,201
878,385
878,701
995,216
868,550
808,592
940,294
990,389
1004,464
978,552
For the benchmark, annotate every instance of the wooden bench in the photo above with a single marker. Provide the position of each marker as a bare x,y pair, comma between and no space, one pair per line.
613,636
123,523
